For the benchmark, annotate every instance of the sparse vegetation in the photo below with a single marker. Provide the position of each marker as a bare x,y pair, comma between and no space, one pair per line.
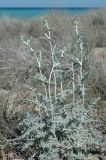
47,86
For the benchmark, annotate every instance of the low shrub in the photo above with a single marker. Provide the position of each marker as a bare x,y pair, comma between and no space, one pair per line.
64,125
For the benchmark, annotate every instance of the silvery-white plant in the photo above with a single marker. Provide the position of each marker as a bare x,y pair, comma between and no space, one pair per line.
65,124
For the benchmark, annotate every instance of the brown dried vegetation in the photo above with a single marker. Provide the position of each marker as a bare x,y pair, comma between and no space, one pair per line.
17,67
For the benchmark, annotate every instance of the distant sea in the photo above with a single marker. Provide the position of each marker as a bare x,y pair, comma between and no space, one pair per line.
33,12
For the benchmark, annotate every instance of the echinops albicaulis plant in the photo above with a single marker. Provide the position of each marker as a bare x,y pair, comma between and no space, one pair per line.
65,124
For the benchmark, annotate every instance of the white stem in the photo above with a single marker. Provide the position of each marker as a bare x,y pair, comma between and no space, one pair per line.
79,136
61,86
55,85
73,83
81,63
52,51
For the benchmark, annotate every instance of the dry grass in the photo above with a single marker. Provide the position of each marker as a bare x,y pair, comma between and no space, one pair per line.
17,66
9,156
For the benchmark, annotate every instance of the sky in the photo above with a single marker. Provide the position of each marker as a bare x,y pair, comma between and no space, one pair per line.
52,3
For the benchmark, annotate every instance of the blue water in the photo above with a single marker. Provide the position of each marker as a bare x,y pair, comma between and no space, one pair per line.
32,12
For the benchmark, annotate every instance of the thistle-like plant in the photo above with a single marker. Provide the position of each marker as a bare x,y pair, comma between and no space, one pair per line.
64,125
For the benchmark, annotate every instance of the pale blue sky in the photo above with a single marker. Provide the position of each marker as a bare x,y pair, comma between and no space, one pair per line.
52,3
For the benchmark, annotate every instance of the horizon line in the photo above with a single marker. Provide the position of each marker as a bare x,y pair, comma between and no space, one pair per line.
50,7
